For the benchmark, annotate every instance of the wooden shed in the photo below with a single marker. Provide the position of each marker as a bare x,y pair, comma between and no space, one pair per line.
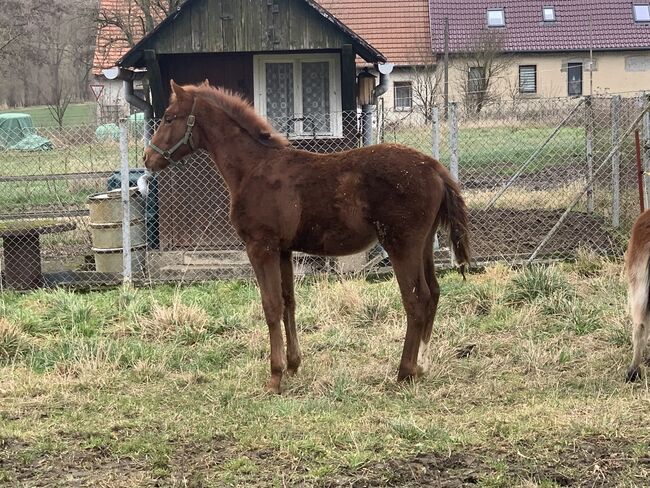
295,62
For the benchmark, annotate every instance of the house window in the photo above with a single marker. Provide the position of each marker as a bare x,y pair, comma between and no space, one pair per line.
548,14
496,17
641,12
574,71
300,94
476,80
403,91
528,79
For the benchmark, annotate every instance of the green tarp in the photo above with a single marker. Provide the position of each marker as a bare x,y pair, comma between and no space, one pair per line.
17,133
111,131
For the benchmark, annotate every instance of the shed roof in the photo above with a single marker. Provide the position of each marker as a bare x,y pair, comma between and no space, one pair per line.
112,49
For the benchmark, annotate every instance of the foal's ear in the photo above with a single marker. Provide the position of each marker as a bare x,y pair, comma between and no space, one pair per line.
176,88
206,82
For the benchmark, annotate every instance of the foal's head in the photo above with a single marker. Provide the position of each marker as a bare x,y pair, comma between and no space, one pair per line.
177,135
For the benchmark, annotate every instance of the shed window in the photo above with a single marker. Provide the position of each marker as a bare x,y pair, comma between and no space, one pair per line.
300,95
548,14
496,17
641,12
528,79
403,92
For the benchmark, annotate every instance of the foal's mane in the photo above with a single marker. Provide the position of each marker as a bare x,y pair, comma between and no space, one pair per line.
242,112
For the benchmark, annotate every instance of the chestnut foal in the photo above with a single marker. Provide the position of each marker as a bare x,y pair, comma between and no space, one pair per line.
637,260
285,199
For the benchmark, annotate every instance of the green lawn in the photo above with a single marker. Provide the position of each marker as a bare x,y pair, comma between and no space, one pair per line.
77,114
501,149
164,386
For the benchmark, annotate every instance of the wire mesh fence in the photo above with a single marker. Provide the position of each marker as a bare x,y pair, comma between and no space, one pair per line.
543,179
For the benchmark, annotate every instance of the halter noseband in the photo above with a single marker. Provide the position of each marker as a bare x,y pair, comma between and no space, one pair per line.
187,139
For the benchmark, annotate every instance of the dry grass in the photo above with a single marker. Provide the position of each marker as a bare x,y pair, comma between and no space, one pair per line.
164,386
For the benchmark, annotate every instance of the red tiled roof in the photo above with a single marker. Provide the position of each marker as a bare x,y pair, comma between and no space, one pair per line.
397,28
111,43
611,27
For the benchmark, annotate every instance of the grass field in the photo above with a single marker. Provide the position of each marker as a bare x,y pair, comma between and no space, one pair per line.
163,386
77,114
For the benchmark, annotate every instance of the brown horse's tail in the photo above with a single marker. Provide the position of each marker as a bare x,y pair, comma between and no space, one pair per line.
453,215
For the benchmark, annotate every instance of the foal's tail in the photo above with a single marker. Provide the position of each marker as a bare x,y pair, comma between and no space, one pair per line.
453,215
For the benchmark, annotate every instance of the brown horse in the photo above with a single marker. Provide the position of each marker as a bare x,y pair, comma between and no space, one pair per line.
284,200
637,261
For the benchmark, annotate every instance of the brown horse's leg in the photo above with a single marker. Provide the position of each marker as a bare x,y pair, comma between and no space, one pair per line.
640,335
267,269
409,271
432,306
293,346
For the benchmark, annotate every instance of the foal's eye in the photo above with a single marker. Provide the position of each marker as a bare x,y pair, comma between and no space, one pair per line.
169,118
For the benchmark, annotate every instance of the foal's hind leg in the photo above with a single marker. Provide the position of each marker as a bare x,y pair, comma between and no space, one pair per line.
432,305
409,272
640,328
289,319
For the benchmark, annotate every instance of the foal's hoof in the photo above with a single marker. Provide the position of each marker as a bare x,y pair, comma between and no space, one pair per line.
291,371
632,375
273,386
409,375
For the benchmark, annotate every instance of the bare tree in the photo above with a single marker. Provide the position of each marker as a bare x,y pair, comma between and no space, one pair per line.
425,82
132,19
480,69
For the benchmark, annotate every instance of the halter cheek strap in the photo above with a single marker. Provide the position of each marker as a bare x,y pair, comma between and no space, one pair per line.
187,139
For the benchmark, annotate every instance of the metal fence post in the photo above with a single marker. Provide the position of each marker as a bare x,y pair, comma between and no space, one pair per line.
453,159
126,208
435,133
589,120
646,150
453,139
616,162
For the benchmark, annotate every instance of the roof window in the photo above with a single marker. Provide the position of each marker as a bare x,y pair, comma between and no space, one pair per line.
548,14
496,17
641,12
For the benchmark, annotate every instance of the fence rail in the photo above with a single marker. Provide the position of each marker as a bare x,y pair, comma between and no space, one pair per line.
543,179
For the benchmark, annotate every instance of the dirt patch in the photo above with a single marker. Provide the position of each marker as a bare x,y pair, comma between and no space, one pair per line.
589,462
546,178
511,233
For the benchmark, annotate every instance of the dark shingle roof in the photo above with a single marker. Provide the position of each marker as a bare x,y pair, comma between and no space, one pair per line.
579,25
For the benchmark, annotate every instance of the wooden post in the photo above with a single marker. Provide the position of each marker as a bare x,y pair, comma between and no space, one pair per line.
645,152
446,69
158,98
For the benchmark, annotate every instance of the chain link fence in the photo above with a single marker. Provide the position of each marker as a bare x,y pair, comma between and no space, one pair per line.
543,179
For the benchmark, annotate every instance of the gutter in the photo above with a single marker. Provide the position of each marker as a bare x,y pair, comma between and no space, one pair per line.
128,77
385,69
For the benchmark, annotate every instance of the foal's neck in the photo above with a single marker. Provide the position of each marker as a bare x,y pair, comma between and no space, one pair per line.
234,152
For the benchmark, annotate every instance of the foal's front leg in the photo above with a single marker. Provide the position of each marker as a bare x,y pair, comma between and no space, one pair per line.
293,346
266,264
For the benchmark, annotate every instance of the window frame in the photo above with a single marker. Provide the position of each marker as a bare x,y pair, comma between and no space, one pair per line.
634,12
403,84
503,17
259,83
481,79
552,9
582,78
534,91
